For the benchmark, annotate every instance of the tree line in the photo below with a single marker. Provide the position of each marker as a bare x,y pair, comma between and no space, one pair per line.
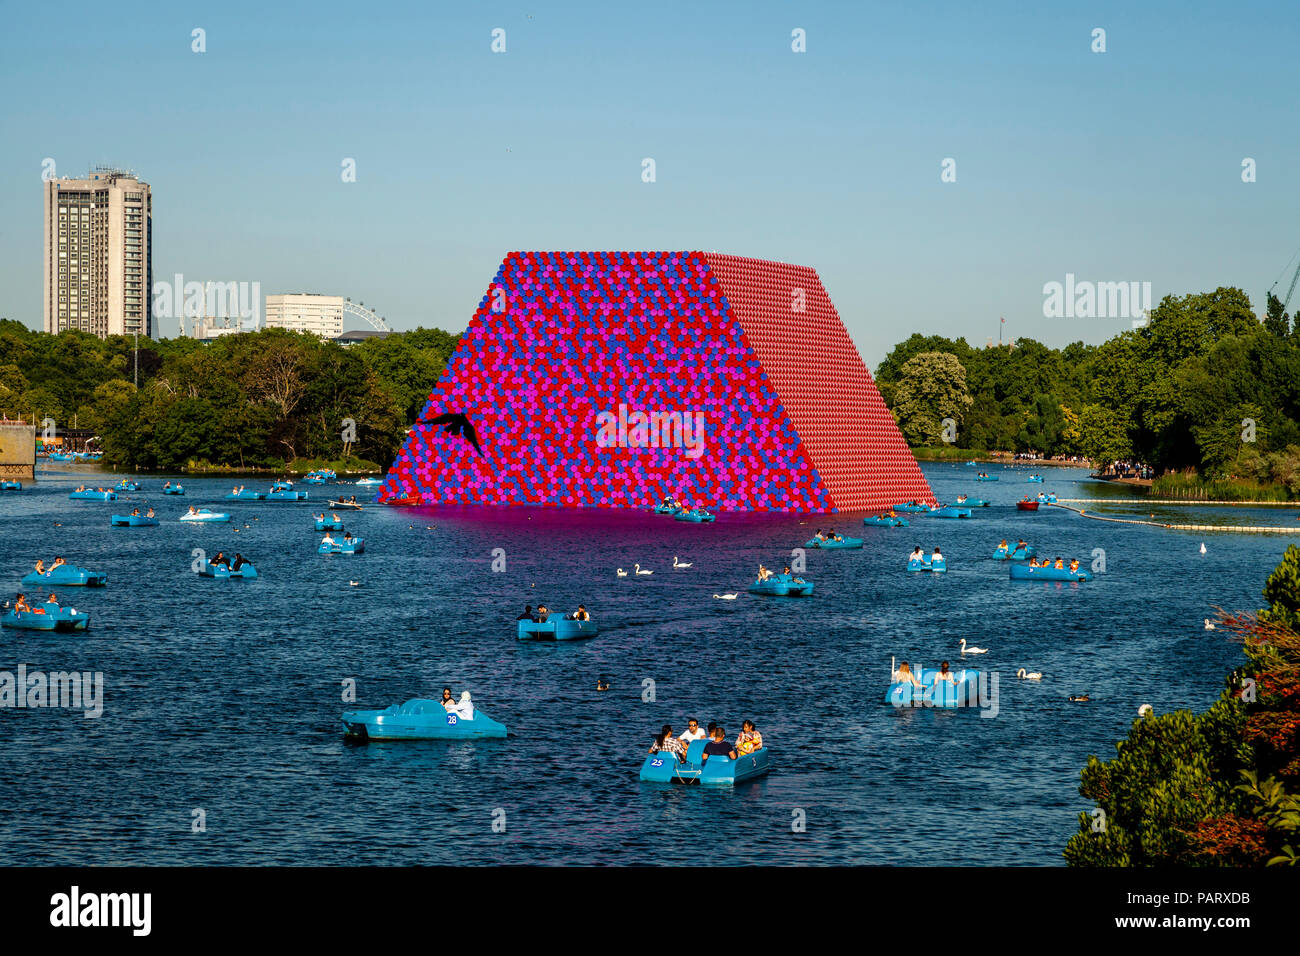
255,400
1204,385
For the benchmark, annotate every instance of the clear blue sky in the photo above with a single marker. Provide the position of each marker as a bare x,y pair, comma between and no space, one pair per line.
1117,166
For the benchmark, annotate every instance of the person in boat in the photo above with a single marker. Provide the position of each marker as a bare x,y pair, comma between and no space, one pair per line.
834,535
238,563
917,554
945,674
749,739
149,513
904,675
1074,565
58,562
763,573
53,599
581,614
347,537
1002,545
20,604
937,556
328,539
191,511
1021,544
81,487
135,513
166,485
718,746
692,732
40,565
961,499
465,709
352,500
665,742
448,699
334,517
819,536
220,560
711,728
1060,564
527,615
543,612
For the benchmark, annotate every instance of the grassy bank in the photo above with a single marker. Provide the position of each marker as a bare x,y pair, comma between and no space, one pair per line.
300,466
946,453
1193,488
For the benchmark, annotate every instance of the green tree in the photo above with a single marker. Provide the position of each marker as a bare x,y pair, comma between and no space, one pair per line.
931,388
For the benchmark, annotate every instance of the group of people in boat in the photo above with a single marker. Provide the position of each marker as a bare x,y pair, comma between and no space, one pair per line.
1021,544
918,554
21,605
765,574
333,517
220,560
748,740
148,514
1059,564
830,534
84,488
904,675
42,569
331,540
543,612
463,708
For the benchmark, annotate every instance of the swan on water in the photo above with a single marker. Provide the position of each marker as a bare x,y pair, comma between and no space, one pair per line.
1145,710
972,649
637,569
678,564
1208,625
726,597
1029,675
1202,547
620,572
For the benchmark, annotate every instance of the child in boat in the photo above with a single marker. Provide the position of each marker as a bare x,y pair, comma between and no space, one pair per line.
665,742
1060,564
1074,564
904,675
749,739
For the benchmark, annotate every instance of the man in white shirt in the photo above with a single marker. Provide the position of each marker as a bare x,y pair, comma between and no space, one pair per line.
693,731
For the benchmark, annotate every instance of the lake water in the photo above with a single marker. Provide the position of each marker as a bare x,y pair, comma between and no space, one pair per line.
225,696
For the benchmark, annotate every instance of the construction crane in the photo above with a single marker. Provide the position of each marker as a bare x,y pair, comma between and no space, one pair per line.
1295,277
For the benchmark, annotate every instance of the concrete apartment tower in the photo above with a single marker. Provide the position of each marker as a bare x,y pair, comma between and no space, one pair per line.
98,254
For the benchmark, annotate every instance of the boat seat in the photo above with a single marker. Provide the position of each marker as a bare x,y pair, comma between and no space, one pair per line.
695,752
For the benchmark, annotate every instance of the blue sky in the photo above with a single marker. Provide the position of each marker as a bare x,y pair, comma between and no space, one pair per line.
1115,166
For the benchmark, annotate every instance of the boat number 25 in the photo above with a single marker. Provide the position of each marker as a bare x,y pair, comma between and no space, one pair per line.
657,762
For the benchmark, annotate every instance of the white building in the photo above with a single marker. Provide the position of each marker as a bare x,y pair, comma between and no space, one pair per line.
98,254
302,312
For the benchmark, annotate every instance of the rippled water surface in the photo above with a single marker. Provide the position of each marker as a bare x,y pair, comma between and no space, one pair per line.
226,695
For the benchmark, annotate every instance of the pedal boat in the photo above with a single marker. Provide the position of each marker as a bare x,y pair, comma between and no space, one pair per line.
419,719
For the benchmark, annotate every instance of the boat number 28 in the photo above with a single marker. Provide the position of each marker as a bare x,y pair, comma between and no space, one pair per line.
451,719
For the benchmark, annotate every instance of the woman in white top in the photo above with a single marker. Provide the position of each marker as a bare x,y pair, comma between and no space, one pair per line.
465,709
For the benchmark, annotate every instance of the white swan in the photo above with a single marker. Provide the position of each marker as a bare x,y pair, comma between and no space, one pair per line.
620,572
972,649
1208,625
1028,675
727,597
679,564
637,569
1202,547
1145,710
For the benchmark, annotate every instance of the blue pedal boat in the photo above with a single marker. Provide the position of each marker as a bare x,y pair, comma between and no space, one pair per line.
556,629
717,771
50,617
782,585
419,719
884,521
1023,572
133,521
986,478
937,565
368,482
205,516
281,495
11,486
698,515
246,570
314,480
1038,478
1047,498
334,524
666,509
93,495
245,495
1017,554
915,506
65,576
972,503
125,485
355,546
174,490
961,691
831,544
951,511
